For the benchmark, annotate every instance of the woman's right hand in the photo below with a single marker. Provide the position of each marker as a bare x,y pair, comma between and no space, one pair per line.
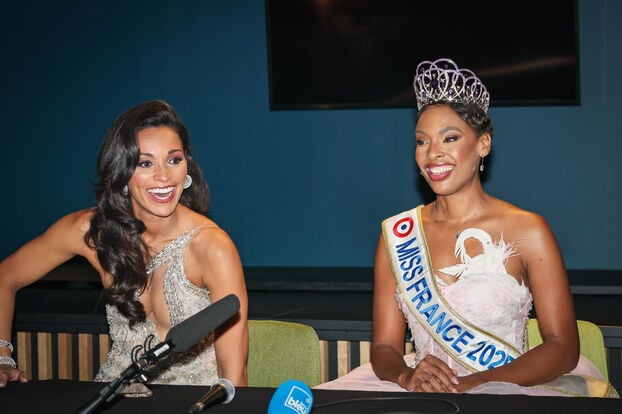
430,375
8,373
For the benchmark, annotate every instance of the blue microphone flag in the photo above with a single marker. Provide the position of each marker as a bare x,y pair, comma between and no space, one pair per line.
292,397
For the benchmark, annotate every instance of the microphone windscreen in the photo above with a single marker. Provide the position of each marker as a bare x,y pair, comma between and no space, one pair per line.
228,387
189,332
292,397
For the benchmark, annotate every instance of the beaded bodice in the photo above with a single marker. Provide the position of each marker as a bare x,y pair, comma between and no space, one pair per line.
183,299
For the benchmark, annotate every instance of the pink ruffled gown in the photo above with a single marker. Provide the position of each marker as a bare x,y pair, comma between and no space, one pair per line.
487,296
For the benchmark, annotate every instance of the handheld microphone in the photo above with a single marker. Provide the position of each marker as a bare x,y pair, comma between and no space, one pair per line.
222,391
292,397
180,337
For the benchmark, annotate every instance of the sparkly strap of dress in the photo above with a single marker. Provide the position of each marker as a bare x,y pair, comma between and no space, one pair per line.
171,250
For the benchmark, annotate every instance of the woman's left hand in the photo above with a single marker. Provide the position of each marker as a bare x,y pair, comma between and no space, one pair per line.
431,375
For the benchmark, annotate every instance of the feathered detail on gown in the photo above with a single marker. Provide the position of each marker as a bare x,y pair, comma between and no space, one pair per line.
485,295
492,259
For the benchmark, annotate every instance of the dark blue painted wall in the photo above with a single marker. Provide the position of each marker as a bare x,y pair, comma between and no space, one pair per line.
293,188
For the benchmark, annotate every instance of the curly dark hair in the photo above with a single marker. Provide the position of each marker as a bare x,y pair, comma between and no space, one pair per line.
115,232
470,113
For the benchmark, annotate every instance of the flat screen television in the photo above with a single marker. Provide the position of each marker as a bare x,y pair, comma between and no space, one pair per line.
363,53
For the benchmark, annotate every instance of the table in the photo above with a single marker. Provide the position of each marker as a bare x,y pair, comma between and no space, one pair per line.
336,302
62,396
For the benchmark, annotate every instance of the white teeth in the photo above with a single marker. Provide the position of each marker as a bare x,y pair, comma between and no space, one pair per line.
440,170
161,190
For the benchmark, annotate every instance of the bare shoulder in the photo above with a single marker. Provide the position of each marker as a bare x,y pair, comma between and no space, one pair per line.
71,228
79,220
535,245
518,223
60,242
212,260
531,235
211,243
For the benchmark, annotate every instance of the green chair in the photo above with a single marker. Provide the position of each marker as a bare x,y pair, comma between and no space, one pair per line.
280,351
590,340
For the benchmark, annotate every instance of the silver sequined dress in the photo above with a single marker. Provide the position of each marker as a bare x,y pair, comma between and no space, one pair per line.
197,366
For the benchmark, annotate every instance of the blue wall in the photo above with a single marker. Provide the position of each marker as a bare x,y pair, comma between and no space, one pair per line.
293,188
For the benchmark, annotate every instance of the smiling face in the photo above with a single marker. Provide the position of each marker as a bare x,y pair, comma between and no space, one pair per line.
448,152
157,183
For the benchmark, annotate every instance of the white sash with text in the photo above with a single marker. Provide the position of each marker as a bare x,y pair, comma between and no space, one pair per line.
473,348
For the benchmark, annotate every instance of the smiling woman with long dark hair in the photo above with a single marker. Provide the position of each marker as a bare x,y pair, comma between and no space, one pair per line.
160,258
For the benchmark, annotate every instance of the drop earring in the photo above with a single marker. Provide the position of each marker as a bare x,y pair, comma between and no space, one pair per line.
481,165
124,191
187,182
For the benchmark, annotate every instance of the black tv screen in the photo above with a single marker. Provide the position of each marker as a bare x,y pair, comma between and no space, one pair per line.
363,53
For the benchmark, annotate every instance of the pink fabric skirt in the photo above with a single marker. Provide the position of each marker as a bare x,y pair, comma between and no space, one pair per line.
363,378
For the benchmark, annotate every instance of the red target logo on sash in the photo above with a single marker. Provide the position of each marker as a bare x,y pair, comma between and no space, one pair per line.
403,227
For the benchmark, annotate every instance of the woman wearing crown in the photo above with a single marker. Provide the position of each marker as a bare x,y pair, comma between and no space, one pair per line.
463,272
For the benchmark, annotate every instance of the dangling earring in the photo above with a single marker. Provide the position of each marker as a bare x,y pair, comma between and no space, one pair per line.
187,182
481,165
124,191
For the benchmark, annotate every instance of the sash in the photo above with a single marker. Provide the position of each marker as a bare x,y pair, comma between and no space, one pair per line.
470,346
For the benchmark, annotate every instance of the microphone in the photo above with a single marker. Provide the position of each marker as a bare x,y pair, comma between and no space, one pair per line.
292,397
180,337
187,333
222,391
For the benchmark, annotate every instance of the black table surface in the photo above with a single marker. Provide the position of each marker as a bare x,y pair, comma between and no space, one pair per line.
60,396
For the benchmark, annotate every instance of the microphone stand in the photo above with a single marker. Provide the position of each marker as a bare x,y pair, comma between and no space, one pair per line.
112,389
105,395
180,337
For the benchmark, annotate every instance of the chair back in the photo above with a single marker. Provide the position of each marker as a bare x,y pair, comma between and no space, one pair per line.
590,339
279,351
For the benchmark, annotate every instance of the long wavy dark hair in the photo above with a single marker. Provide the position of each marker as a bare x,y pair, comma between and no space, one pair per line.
115,232
470,113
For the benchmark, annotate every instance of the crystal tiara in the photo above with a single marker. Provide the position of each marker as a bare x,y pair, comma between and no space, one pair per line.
443,80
